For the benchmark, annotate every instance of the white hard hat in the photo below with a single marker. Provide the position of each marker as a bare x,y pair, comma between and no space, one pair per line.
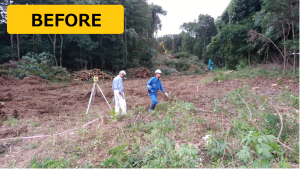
122,72
158,71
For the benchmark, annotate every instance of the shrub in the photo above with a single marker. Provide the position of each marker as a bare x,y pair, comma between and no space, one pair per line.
178,64
182,55
44,57
198,71
166,71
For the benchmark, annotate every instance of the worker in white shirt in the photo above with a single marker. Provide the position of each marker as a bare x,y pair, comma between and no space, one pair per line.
119,96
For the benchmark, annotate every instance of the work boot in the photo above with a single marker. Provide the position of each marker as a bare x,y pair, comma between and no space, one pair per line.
151,108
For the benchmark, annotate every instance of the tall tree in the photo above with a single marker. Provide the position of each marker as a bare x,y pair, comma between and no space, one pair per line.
18,47
61,47
12,46
54,45
278,14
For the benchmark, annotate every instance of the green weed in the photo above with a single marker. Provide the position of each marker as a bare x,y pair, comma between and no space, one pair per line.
11,122
216,147
49,163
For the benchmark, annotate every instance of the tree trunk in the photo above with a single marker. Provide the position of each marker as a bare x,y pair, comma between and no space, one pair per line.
80,58
33,43
61,46
293,31
249,58
37,44
12,46
125,42
85,62
18,47
204,41
136,45
54,45
92,64
267,54
284,49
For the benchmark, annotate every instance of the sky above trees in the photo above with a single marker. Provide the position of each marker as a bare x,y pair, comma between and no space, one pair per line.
180,11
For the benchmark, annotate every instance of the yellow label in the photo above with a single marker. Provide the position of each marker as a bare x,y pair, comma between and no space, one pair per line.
65,19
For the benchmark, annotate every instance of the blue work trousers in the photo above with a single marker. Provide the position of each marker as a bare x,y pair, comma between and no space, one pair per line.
153,97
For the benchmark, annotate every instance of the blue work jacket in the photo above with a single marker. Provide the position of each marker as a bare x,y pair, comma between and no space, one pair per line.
154,84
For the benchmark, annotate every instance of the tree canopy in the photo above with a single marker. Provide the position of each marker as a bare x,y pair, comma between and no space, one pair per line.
110,52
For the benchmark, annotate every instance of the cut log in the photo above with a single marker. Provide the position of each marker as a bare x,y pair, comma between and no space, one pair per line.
85,75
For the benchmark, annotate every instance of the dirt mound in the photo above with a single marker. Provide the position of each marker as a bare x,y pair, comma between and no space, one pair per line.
5,80
13,132
33,80
3,117
10,64
142,72
6,98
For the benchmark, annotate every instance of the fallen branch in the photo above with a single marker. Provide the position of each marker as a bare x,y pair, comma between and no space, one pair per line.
281,127
253,34
261,131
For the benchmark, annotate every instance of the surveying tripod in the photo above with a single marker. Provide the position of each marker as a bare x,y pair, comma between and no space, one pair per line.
92,97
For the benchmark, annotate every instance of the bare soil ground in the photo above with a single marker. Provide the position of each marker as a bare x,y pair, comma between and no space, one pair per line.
45,108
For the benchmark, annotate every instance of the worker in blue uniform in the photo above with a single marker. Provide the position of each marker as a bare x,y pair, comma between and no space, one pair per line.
153,85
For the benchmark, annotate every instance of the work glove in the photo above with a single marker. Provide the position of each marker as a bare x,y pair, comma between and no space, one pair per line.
166,94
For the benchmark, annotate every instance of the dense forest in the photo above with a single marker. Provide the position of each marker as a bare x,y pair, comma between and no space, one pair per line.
108,52
229,41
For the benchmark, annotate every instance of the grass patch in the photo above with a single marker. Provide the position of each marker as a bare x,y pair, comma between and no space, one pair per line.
266,151
157,149
11,122
49,163
250,73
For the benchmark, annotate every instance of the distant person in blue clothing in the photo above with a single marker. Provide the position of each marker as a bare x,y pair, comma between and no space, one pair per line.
153,85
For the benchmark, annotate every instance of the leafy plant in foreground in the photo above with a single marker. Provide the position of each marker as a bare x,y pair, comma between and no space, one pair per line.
216,147
160,154
258,145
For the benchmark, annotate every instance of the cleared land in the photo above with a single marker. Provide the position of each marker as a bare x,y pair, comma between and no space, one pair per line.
44,108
